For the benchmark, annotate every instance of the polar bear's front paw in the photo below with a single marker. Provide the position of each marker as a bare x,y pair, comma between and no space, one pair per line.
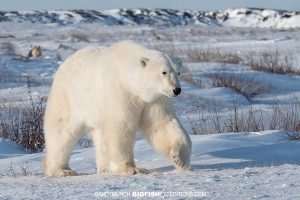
134,170
67,172
60,173
180,157
140,170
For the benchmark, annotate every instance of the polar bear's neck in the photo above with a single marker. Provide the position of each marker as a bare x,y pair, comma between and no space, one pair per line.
130,98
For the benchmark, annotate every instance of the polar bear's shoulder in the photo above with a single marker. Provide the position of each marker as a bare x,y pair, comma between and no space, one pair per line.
131,48
127,44
85,53
90,50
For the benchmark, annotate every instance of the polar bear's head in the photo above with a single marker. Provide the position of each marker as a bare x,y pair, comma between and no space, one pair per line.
156,75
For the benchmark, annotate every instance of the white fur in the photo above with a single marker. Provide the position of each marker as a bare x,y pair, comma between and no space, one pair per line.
111,94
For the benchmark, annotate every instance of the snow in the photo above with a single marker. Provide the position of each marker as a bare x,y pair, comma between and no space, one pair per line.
245,165
228,166
9,149
261,18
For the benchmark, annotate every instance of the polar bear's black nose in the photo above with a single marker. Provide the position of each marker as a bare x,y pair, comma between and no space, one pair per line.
177,91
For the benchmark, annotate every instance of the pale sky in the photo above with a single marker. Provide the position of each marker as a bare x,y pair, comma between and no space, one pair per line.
174,4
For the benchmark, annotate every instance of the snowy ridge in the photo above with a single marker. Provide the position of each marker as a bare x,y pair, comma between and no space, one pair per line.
243,17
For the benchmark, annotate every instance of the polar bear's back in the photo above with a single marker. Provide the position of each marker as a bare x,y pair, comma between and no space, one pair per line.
93,73
74,82
108,60
81,60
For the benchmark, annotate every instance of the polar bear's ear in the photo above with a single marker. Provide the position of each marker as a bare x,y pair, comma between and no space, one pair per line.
144,61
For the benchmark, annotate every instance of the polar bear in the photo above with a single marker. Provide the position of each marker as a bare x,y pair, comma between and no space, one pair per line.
112,93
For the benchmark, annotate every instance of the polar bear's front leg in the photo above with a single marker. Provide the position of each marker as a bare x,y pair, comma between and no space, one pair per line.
120,143
163,130
100,151
179,151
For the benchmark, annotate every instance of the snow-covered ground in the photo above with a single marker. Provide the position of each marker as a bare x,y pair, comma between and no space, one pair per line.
225,166
245,165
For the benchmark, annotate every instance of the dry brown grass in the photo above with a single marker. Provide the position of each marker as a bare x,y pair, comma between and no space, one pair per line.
273,61
193,54
196,54
238,120
282,117
80,36
24,123
288,118
165,47
246,86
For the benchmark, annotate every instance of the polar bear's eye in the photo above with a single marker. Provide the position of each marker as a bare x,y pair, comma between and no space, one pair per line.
164,73
178,73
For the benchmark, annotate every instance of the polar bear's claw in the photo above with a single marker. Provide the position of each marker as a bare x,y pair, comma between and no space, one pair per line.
140,170
60,173
134,170
179,158
68,172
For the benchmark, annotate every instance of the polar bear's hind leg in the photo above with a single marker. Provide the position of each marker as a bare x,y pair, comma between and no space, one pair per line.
59,144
